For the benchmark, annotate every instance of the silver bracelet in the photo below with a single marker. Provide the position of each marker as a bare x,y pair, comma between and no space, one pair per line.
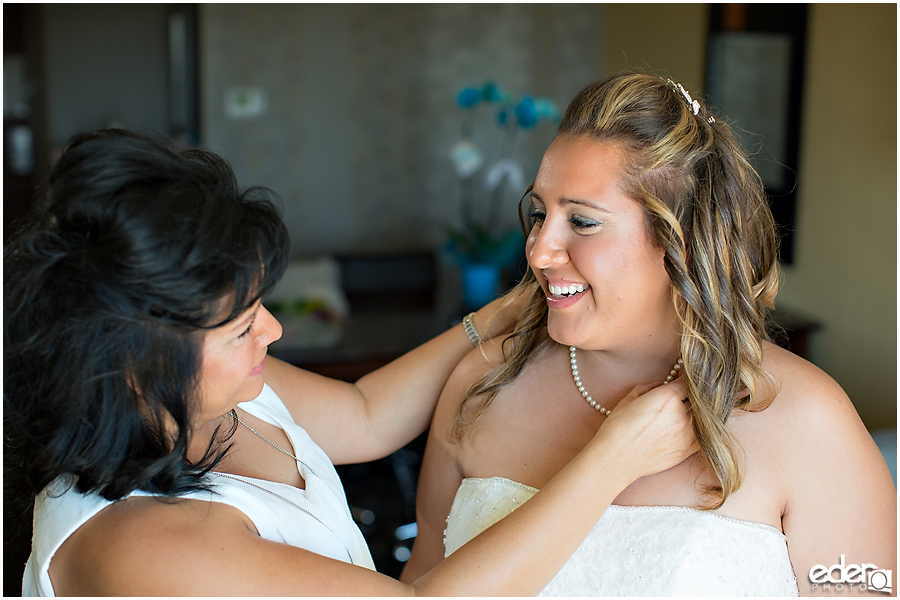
469,326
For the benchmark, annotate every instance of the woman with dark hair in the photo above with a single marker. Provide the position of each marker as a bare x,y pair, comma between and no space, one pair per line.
164,454
653,255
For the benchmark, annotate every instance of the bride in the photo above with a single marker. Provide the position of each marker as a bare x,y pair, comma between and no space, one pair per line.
652,257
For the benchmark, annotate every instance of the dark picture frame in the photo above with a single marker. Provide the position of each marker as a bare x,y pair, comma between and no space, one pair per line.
754,79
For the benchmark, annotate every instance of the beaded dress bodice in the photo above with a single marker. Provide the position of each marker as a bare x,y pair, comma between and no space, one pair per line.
642,550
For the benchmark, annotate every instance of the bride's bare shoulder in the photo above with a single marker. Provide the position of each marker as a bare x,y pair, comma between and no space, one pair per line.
798,386
493,353
472,369
809,412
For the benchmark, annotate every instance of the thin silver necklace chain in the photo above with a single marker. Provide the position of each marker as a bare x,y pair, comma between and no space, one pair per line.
234,416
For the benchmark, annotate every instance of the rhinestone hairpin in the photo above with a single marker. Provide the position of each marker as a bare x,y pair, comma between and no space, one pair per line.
695,106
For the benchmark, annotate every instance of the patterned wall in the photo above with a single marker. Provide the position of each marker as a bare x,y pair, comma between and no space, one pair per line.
360,106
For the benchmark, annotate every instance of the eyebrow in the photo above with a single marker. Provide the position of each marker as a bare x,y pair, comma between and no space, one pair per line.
577,201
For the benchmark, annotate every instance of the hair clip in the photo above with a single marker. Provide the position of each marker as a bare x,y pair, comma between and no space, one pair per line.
687,96
695,106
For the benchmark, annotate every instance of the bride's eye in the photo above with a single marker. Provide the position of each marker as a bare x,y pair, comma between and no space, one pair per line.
580,223
537,216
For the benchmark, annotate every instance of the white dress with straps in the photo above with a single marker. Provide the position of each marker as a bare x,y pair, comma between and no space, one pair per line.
316,518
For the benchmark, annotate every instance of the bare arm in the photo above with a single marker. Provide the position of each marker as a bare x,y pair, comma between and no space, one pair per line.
145,547
841,497
440,475
387,408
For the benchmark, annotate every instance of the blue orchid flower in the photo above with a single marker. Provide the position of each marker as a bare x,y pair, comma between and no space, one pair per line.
546,109
526,113
468,97
493,93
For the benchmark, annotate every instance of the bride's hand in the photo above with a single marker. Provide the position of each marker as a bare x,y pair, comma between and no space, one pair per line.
650,430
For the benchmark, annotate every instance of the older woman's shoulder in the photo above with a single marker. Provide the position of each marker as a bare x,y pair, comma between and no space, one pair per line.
144,546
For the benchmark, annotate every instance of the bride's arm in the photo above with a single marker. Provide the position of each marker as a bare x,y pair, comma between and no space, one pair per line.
440,475
389,407
841,503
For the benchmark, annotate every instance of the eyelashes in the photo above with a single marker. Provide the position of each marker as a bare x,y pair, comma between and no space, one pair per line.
247,331
578,223
536,216
582,223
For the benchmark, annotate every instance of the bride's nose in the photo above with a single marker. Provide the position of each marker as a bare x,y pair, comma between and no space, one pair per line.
546,248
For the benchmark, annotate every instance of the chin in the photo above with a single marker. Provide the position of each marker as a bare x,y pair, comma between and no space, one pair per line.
254,391
564,335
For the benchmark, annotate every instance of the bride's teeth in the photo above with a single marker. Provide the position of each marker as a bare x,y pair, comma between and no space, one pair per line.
563,290
566,290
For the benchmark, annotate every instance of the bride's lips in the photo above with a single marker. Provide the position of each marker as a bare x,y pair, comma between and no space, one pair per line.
562,295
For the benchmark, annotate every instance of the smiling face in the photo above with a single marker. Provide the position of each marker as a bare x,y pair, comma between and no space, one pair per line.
233,359
591,251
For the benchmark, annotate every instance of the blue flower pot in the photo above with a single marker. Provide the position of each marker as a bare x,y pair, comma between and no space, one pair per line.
479,283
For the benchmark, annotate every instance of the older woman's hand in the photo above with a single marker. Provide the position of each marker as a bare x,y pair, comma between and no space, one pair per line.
652,429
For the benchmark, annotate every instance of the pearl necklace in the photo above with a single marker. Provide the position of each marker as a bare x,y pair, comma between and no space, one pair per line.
580,385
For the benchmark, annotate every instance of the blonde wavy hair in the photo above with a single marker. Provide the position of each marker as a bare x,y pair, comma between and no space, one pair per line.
706,207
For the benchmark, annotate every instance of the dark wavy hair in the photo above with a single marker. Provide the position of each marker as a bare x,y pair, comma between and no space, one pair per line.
133,253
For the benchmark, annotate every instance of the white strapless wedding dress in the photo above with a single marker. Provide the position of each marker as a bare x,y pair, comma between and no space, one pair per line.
642,550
